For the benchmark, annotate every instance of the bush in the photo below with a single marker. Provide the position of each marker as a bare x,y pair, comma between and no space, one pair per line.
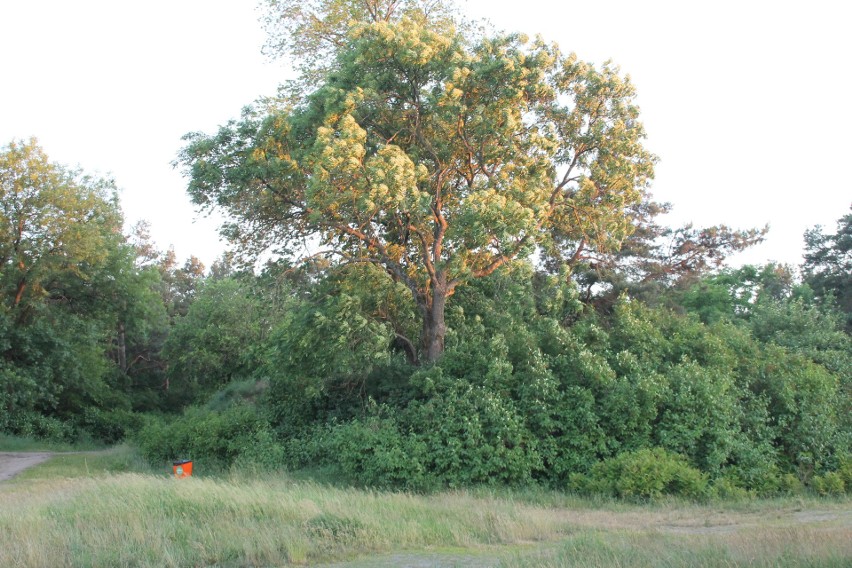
110,426
30,424
237,392
845,471
461,435
645,473
262,452
728,488
214,439
831,483
472,435
374,452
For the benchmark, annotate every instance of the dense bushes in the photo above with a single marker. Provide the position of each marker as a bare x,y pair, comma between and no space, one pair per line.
215,440
461,435
636,402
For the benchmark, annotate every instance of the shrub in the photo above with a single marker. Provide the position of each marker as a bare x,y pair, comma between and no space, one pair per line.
831,483
845,471
214,439
459,436
471,435
374,452
262,452
110,426
645,473
237,392
789,484
728,488
30,424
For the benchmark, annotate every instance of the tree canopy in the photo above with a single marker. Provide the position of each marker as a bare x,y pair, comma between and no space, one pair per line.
828,264
52,221
433,156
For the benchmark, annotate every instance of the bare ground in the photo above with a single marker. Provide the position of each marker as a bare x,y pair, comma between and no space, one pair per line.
13,463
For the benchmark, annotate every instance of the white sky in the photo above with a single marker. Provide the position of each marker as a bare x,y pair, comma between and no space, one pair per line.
745,102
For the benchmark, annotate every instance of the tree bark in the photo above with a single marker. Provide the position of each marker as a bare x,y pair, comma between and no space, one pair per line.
434,328
19,295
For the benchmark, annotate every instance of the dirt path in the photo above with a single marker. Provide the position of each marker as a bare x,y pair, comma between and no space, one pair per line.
13,463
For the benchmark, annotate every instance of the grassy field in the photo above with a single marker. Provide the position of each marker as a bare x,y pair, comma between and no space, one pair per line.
18,444
109,509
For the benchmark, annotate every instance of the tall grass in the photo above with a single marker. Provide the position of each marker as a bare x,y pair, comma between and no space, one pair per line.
95,510
22,444
134,519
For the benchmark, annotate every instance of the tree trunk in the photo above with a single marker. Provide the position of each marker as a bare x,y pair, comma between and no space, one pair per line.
122,348
19,295
434,328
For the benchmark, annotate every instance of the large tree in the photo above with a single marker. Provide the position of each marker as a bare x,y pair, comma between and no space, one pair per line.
53,222
436,157
58,232
78,318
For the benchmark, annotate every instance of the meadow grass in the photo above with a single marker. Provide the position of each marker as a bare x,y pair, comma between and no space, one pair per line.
109,509
10,443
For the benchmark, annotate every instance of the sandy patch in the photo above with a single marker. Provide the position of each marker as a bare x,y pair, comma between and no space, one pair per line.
13,463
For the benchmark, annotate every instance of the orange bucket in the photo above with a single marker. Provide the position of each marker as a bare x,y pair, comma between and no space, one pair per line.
182,468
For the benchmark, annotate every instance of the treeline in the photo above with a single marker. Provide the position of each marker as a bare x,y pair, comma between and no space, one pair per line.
685,380
736,382
85,311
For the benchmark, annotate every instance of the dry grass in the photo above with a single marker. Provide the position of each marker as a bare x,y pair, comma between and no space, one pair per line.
82,510
143,520
757,547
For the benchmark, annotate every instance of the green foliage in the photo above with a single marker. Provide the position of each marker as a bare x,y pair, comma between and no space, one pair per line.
374,451
832,483
110,426
802,404
249,391
806,329
520,396
56,226
78,318
262,451
730,489
733,293
321,354
218,340
334,333
648,473
436,155
828,266
214,440
698,417
460,436
31,424
311,33
472,435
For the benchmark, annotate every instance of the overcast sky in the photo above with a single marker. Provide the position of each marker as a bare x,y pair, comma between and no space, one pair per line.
746,103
